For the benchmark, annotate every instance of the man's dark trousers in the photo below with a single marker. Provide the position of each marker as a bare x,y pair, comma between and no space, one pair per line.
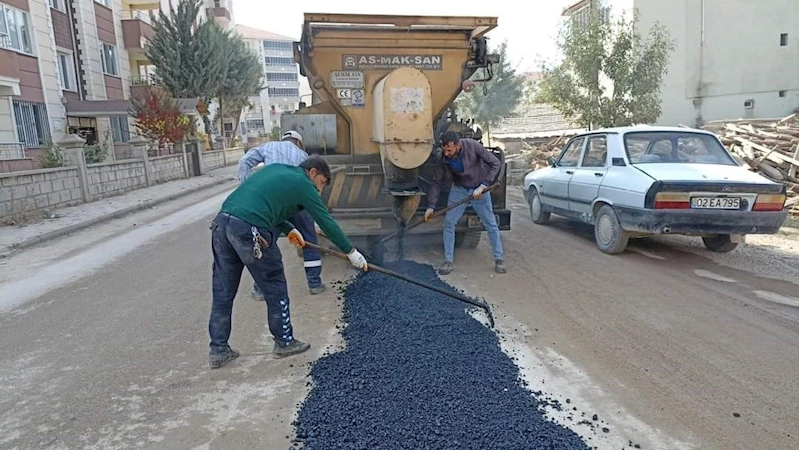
312,258
232,245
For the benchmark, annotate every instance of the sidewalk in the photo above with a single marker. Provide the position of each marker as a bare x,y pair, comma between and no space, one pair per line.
74,218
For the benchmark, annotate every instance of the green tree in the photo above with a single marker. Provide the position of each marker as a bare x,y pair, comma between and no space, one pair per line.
496,99
242,79
189,58
609,76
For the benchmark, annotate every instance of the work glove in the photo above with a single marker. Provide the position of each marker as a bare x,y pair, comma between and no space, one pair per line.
357,260
428,214
478,193
295,238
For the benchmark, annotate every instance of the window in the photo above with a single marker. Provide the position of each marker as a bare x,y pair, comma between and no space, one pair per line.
33,126
270,76
57,4
14,29
783,39
284,92
596,152
675,147
104,2
571,154
108,55
284,46
277,61
119,128
66,71
255,124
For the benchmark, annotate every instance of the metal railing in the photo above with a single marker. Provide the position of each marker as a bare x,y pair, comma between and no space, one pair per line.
138,14
150,80
5,41
12,150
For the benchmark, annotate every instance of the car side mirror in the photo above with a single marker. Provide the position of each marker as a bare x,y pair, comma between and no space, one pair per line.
551,161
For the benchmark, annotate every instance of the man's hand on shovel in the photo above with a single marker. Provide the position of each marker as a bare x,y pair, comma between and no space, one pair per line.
295,238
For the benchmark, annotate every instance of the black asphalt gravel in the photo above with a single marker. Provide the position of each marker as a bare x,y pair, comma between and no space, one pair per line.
419,373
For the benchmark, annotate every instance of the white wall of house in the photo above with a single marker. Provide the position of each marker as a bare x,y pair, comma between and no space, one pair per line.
8,134
737,60
48,69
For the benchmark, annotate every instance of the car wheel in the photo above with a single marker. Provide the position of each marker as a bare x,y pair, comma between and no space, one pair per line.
537,213
610,237
467,239
719,243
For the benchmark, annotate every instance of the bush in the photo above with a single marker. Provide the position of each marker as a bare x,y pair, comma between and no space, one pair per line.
52,157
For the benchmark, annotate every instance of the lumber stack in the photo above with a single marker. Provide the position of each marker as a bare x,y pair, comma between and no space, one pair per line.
769,147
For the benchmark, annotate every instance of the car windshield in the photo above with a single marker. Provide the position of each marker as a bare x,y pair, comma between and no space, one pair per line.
651,147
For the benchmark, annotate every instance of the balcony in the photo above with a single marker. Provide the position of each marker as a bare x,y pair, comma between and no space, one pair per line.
221,9
136,28
12,150
139,85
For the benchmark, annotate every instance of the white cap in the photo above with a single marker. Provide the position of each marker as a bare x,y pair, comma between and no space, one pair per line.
292,134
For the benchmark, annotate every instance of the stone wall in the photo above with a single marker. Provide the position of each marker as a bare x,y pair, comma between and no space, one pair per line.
213,159
40,189
109,179
166,168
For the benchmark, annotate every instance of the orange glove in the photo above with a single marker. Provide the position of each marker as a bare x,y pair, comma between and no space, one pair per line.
295,238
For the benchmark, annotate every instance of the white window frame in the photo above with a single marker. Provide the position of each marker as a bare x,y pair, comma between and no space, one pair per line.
106,3
113,49
21,33
32,123
58,5
68,79
118,131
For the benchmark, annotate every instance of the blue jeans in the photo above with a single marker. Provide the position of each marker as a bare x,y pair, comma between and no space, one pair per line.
232,245
484,210
303,222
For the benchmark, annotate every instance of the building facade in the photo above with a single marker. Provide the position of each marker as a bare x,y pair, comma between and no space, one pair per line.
72,66
722,66
281,77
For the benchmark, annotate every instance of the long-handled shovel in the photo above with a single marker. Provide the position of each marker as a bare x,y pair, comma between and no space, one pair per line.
400,276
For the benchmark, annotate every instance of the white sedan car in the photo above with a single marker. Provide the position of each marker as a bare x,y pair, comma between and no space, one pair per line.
639,181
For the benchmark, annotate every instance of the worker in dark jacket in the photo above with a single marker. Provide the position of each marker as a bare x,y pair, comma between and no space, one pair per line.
466,166
244,234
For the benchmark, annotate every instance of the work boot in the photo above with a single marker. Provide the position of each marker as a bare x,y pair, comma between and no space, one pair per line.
318,289
445,269
499,266
217,360
292,348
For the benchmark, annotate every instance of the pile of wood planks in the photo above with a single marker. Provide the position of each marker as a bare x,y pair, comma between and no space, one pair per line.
767,146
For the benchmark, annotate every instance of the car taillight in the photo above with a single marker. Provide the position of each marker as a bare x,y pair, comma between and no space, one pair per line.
769,202
672,200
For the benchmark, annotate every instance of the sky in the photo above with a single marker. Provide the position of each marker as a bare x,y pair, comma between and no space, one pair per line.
530,34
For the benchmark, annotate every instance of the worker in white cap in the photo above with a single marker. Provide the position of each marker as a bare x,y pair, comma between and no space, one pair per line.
290,150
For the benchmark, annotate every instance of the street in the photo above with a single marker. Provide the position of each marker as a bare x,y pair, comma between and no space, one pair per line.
105,337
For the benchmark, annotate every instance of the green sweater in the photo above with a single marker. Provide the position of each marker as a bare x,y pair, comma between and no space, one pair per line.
269,197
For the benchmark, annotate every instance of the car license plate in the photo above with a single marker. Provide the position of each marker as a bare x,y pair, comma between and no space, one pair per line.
716,202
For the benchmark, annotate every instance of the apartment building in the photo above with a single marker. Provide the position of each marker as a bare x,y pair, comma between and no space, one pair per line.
71,66
281,76
723,66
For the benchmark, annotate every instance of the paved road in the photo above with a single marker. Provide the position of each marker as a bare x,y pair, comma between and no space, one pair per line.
104,339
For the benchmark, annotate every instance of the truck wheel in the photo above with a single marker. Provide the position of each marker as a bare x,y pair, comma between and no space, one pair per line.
536,211
610,237
719,243
467,239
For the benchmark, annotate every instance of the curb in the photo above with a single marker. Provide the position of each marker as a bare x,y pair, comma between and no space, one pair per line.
50,235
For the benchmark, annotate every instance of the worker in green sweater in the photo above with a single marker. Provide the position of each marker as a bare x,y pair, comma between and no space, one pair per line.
244,234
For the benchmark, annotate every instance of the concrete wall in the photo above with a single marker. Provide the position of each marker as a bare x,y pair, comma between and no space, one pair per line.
738,59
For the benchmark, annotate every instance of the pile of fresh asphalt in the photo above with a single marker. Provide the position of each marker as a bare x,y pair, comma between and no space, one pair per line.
419,372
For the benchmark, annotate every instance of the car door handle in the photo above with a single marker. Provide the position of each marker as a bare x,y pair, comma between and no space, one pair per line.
599,174
570,172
